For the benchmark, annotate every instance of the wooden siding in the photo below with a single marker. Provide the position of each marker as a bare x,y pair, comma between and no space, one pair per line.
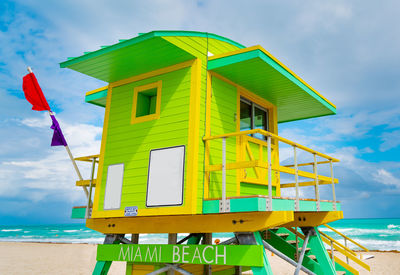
131,143
223,110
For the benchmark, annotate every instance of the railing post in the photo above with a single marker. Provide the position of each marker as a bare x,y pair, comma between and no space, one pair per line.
332,256
333,185
269,208
89,204
316,182
345,244
224,174
296,177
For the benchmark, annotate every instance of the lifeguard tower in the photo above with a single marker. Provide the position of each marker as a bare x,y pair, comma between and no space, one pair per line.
190,145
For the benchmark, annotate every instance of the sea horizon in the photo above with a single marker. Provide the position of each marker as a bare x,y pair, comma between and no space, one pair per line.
382,234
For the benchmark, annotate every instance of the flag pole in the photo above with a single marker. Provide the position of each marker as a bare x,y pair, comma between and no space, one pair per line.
70,155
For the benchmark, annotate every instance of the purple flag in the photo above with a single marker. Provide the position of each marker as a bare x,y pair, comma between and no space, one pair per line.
58,137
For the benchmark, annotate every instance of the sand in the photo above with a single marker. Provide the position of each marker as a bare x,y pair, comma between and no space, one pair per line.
44,258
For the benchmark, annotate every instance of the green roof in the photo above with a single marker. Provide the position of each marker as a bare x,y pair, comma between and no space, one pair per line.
144,53
258,71
253,68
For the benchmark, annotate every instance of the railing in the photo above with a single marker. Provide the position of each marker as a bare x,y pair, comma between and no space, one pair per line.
338,247
272,145
345,238
91,182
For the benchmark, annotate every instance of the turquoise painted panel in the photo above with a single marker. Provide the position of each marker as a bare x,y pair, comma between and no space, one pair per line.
78,213
262,75
308,206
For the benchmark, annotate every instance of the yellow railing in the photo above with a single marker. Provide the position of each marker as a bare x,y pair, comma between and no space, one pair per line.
91,182
264,168
338,247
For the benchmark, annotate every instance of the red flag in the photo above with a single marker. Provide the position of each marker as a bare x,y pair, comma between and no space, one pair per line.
34,94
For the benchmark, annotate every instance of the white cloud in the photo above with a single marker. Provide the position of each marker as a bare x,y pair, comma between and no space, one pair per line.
390,140
387,178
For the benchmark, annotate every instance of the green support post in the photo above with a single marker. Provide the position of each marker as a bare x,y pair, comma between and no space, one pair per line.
255,239
317,247
102,267
266,269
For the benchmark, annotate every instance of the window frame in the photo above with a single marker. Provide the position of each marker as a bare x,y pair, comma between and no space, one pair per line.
254,105
155,85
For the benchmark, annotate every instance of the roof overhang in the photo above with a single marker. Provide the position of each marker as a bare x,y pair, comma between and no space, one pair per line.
258,71
144,53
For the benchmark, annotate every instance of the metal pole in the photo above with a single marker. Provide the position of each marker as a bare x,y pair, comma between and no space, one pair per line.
296,176
223,174
89,204
303,251
316,182
332,256
70,156
286,258
345,244
269,208
333,185
297,244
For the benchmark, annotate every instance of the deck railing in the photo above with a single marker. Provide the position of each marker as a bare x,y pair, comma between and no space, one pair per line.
339,248
272,143
94,159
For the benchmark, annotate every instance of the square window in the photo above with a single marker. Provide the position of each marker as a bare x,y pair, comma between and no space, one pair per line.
146,102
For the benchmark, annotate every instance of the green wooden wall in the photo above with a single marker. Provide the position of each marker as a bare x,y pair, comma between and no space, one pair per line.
223,110
131,143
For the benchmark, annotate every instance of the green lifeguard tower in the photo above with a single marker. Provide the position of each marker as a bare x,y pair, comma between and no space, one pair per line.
190,145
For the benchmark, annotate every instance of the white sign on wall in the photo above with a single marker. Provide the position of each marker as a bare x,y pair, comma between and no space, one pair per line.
112,195
166,176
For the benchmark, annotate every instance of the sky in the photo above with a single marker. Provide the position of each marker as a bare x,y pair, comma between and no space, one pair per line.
346,50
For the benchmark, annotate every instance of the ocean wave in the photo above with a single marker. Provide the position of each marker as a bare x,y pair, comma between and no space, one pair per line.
71,230
362,231
54,240
391,226
10,230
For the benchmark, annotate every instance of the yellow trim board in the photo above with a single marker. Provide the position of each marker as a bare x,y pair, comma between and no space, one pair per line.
95,209
193,137
229,222
96,90
157,85
152,73
258,47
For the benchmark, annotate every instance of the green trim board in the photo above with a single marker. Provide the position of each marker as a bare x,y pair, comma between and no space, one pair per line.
78,213
260,204
144,53
244,255
98,98
262,75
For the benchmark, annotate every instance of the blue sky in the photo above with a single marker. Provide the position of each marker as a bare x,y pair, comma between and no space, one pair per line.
347,50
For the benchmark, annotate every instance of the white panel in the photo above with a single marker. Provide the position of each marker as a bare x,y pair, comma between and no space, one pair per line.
112,195
165,179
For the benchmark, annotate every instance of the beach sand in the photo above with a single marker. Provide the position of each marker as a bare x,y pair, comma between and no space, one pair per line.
45,258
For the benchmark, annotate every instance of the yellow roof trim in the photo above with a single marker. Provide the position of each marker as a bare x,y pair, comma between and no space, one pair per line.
97,90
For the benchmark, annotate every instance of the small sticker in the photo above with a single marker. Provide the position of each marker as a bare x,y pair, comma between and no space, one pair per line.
131,211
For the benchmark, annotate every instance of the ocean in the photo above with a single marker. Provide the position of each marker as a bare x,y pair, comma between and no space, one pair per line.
375,234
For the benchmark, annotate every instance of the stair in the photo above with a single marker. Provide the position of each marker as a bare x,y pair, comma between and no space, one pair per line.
283,235
340,272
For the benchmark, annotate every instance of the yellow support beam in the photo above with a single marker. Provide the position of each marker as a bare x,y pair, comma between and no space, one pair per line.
85,183
305,183
88,158
305,174
208,223
313,219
